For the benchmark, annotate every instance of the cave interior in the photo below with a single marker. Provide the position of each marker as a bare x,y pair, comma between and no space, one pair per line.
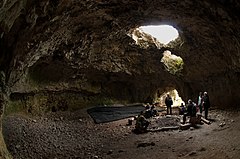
68,54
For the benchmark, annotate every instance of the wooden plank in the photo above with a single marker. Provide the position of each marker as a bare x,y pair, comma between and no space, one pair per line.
185,126
164,128
205,121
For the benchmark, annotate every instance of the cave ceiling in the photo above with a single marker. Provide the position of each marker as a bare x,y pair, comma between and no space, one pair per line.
68,44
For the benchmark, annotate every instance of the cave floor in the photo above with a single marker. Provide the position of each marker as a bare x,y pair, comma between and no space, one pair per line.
67,134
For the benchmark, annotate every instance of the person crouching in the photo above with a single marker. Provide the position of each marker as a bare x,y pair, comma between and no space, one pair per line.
191,110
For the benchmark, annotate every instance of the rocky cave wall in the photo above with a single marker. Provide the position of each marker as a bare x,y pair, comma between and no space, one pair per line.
67,53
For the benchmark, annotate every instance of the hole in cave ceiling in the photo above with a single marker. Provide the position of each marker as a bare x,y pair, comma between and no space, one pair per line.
160,35
173,64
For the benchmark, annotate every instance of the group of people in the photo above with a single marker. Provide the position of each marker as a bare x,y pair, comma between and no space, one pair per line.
203,104
141,121
150,111
191,109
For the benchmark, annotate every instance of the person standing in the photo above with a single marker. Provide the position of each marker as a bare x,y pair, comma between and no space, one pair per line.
206,103
169,102
199,103
182,109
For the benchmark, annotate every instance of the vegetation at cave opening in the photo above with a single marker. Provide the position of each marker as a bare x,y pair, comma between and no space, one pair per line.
173,64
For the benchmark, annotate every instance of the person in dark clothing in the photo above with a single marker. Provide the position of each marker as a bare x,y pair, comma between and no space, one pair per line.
147,113
206,103
182,109
169,102
191,110
141,124
153,111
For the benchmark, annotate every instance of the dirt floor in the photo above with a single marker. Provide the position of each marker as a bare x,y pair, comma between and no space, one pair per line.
70,135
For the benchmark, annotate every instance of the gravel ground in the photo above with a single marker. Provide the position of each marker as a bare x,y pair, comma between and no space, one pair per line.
58,135
70,135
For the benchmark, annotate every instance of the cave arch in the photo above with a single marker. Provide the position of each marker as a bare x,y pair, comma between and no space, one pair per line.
173,92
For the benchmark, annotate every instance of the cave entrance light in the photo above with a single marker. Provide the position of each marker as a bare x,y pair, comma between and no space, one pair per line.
163,33
177,100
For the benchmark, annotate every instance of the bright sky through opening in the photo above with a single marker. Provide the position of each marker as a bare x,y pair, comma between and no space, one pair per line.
163,33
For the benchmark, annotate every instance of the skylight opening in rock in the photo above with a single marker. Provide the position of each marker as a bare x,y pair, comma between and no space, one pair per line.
173,64
163,33
158,35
